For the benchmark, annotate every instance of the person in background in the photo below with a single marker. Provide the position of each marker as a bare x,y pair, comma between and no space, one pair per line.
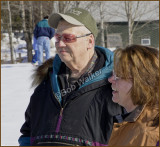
43,33
34,59
72,103
135,85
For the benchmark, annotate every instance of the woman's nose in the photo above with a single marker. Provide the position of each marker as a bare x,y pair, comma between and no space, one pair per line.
111,79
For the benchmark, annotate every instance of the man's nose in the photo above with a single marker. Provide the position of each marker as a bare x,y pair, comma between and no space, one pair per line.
111,79
60,44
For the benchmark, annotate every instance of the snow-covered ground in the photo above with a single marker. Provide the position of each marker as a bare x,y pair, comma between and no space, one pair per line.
15,95
15,90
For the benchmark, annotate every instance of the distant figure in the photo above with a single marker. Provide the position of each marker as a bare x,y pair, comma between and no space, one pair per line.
35,58
135,84
43,33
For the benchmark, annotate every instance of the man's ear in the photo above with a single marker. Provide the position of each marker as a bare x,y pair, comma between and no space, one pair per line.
90,41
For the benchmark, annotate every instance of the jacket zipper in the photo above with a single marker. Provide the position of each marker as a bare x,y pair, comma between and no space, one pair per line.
60,115
59,121
61,112
58,143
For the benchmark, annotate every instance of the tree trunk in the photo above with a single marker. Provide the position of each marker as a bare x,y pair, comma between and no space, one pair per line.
102,25
130,22
31,16
41,10
77,3
106,28
61,6
30,32
10,35
27,34
55,7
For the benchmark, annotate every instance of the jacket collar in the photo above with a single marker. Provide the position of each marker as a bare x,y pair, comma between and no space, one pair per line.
144,113
103,73
135,114
130,117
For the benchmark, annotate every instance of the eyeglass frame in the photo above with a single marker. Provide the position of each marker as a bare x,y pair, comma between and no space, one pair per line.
75,37
115,77
118,78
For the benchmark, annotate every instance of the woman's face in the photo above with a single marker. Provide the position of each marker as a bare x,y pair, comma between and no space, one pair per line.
121,87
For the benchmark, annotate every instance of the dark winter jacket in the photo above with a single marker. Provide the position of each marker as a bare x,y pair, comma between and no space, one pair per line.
43,29
86,118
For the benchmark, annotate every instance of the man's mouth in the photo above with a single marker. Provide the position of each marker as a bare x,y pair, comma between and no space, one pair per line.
62,51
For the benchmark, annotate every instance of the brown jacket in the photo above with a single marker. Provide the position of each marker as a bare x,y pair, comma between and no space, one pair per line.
139,128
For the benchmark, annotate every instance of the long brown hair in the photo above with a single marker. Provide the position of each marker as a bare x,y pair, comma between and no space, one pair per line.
141,65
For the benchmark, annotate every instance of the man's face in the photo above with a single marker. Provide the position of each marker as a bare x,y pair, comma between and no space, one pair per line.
71,52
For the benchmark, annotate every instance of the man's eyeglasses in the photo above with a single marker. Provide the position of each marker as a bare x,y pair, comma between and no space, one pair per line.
68,38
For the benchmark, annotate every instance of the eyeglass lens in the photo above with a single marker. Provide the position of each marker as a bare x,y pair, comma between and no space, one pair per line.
67,38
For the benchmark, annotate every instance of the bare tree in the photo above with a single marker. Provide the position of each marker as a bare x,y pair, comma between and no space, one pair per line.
27,33
133,12
6,6
30,31
128,9
41,10
77,3
89,5
65,5
99,12
10,33
102,24
61,6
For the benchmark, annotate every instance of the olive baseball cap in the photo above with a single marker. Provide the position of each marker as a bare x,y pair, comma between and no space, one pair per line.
75,16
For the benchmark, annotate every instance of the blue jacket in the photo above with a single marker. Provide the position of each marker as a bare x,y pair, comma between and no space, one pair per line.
85,119
43,29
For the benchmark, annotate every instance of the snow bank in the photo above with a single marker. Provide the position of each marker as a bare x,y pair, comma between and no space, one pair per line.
15,95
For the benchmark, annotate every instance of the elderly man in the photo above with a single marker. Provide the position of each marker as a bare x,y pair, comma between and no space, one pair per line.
72,104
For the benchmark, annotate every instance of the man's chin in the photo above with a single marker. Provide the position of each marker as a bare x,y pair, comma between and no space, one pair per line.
114,99
65,60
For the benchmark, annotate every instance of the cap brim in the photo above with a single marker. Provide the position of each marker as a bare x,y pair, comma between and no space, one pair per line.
56,17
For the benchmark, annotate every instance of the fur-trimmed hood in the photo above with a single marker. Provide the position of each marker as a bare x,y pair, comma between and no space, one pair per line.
41,72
